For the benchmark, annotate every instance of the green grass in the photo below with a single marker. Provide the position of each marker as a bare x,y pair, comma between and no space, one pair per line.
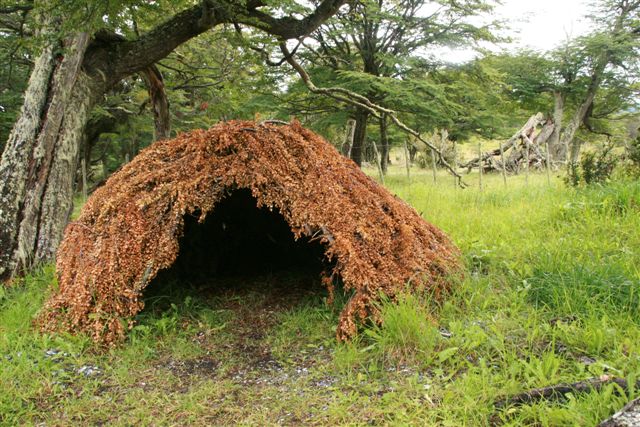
550,295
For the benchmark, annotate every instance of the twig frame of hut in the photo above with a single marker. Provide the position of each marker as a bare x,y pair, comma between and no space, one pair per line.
130,229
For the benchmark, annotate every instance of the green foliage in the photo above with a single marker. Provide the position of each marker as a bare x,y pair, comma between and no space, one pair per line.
597,167
528,77
594,167
634,156
598,71
388,65
480,100
114,15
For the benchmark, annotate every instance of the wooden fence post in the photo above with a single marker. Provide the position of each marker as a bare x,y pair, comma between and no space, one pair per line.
433,165
504,166
527,159
348,138
548,162
406,161
378,161
480,164
455,163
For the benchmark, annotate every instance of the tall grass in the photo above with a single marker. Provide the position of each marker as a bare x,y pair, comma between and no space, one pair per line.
574,250
407,335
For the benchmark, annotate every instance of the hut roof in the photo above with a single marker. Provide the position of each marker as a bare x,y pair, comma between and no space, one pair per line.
130,228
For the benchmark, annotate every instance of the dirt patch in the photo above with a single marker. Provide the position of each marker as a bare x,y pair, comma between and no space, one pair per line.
241,351
205,367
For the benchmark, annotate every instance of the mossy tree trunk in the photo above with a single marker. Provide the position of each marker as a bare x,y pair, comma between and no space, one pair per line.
384,143
558,151
37,170
359,135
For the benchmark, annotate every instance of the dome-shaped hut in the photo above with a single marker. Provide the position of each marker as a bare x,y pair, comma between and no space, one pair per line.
132,227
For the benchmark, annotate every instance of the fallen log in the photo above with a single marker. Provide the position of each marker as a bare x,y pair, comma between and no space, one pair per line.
512,153
531,124
558,391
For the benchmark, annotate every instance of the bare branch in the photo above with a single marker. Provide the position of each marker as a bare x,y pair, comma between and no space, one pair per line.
352,98
126,57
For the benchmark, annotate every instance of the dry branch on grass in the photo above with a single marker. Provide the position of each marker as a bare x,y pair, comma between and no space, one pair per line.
130,228
559,391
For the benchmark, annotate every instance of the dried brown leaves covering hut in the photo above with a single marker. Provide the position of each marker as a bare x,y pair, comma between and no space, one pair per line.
130,229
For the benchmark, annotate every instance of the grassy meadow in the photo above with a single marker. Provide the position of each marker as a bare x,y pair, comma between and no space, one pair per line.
551,294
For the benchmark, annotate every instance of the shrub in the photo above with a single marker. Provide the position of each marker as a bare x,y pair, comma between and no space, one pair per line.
595,167
574,175
633,154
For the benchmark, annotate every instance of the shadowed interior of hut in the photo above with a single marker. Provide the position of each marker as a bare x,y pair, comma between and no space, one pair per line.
240,240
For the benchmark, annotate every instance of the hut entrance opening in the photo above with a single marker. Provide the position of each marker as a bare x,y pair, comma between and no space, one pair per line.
238,245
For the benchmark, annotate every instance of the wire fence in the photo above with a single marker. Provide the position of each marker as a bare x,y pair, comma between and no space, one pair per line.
423,165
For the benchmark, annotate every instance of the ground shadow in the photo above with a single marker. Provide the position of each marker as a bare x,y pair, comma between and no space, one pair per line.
243,250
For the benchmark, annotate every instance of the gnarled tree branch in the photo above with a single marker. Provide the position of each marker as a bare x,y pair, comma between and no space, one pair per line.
126,57
352,98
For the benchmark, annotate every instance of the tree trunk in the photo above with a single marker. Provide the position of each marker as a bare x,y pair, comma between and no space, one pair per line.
159,102
57,200
384,142
412,153
359,135
17,156
578,117
574,150
348,138
31,159
558,150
